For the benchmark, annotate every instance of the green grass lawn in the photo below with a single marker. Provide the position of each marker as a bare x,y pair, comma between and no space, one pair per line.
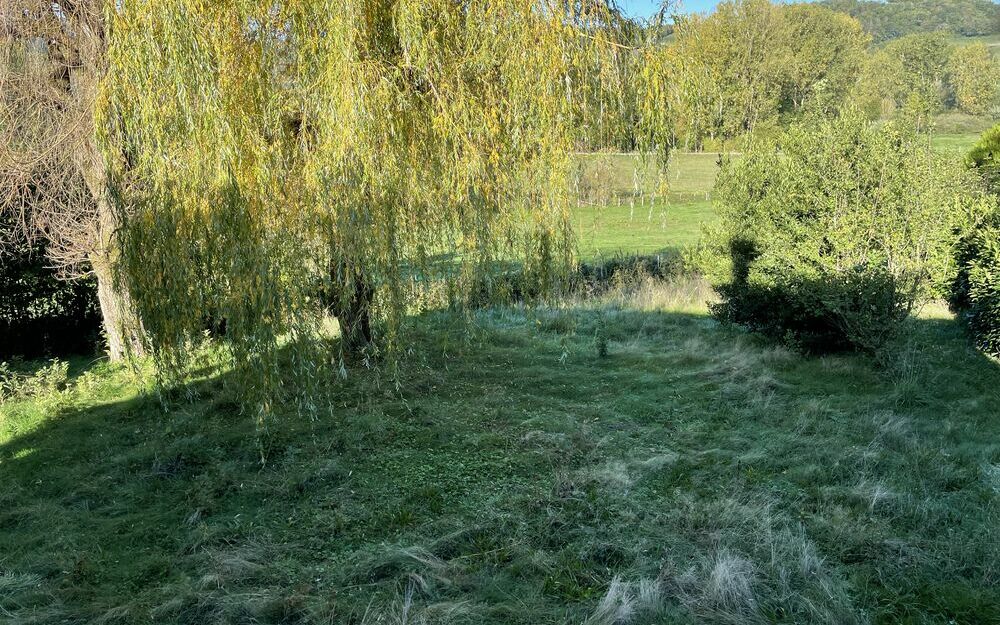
957,144
957,133
621,214
990,41
627,217
694,475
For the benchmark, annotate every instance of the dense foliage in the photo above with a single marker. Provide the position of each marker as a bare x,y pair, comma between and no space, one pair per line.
740,68
984,159
975,294
831,234
385,153
40,313
753,67
974,78
821,55
925,73
909,73
897,18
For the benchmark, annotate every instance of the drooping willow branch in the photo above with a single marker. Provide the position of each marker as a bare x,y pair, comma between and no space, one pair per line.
372,150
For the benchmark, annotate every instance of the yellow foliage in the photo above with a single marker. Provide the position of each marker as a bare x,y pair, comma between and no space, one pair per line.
267,152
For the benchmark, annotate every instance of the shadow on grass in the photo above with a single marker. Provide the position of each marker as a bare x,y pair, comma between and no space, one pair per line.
511,476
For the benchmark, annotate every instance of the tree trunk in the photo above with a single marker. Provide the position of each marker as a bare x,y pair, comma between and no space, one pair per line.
121,328
353,313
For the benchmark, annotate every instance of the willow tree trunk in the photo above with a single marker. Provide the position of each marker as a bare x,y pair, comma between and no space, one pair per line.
121,328
352,307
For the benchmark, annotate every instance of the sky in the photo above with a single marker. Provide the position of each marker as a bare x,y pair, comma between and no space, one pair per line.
645,8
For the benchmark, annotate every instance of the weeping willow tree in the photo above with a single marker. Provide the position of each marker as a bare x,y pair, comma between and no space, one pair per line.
373,150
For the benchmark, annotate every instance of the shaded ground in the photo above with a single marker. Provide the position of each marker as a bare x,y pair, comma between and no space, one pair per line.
693,475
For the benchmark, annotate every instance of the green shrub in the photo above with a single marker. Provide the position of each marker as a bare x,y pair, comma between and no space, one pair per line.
624,270
20,381
511,283
984,159
975,290
858,309
831,234
976,294
41,314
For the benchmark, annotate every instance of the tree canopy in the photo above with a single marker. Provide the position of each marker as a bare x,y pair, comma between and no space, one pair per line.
387,151
891,19
750,62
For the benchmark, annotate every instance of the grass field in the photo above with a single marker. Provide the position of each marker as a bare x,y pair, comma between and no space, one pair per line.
514,475
990,41
626,216
957,144
694,475
957,133
621,214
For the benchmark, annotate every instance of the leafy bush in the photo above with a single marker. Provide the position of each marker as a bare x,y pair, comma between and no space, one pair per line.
625,270
17,382
830,235
511,283
984,159
975,292
41,314
855,309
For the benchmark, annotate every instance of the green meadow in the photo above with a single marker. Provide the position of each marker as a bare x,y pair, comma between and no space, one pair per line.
290,335
599,461
628,214
622,212
692,474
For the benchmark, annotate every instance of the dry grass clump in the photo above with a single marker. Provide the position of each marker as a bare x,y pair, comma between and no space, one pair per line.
626,602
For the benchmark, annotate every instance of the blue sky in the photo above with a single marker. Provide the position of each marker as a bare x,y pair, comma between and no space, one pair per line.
645,8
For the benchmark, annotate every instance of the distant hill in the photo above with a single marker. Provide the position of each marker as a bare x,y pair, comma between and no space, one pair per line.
896,18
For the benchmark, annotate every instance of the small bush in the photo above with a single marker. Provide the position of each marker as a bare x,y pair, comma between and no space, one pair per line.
830,235
860,309
16,382
513,284
619,271
984,159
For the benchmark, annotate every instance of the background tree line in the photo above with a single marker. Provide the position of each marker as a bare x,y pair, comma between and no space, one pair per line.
886,20
752,65
694,82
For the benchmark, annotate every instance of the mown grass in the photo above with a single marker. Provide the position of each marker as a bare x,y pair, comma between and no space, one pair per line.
956,133
621,213
990,41
695,474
